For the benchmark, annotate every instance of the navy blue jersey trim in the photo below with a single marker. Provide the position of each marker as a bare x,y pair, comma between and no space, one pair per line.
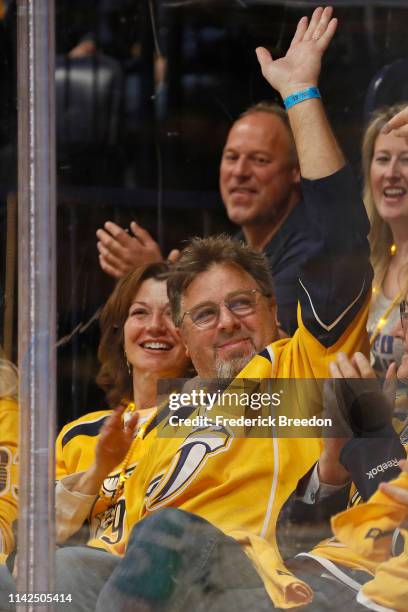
84,429
265,353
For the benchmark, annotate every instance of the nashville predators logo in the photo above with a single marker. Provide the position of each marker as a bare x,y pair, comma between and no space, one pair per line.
375,533
192,455
111,482
108,518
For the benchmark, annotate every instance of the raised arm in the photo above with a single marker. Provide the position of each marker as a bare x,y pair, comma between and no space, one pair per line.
335,276
113,444
298,73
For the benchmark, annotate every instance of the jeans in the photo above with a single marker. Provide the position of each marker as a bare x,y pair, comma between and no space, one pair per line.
177,561
7,587
82,572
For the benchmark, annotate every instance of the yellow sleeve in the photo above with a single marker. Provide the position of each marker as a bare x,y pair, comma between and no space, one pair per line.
76,442
305,357
8,474
61,469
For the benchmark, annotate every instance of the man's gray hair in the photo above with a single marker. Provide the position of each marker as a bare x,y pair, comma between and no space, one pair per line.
201,254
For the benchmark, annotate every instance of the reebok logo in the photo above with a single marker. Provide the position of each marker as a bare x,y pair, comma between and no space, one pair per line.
382,467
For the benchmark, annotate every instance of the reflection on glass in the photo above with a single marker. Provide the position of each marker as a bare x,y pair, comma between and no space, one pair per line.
147,92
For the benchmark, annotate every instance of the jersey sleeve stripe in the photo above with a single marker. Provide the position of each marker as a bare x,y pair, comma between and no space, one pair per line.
329,326
268,354
91,428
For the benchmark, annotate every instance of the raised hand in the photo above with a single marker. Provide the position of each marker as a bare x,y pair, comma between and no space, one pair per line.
357,406
356,367
398,124
361,403
113,444
359,367
300,68
120,252
114,441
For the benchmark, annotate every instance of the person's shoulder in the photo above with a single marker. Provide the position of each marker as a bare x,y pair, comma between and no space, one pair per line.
89,417
296,221
291,233
8,404
9,413
263,364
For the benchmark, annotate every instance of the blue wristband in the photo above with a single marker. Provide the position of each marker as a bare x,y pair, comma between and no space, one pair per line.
300,96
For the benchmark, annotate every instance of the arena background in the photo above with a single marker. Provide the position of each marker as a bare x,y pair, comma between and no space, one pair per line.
141,137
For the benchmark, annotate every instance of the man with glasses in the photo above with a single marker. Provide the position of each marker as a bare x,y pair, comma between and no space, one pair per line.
222,335
192,492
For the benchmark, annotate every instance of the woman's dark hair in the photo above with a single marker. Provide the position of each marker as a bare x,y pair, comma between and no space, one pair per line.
113,376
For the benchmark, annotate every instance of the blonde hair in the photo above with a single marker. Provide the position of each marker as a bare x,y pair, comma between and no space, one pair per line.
380,235
8,379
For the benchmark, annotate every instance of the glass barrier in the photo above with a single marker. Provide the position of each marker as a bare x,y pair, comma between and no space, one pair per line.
165,130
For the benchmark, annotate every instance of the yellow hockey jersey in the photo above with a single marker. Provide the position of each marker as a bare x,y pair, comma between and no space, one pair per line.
239,483
368,530
75,451
8,474
340,552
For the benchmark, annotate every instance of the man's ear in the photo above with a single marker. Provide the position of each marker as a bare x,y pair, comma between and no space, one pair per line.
273,309
280,330
272,305
182,337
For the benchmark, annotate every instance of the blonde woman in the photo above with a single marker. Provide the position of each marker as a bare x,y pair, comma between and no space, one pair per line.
385,165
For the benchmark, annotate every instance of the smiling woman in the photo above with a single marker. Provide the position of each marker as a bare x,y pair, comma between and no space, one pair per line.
98,452
139,343
385,162
151,342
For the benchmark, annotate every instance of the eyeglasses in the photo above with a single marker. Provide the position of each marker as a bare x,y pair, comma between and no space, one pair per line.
240,303
404,314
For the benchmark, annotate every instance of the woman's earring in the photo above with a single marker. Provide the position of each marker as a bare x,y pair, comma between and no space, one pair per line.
129,367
